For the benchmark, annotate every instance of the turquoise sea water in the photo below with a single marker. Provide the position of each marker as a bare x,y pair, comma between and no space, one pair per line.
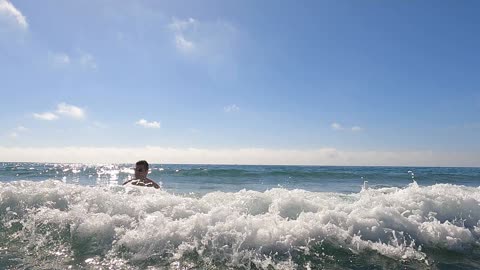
77,216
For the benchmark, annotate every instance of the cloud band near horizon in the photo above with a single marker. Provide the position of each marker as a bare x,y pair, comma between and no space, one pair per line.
241,156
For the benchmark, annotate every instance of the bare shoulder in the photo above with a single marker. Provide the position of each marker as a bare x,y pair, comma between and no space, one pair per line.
152,183
129,181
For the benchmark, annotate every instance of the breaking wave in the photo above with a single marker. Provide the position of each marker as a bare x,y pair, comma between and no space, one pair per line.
51,224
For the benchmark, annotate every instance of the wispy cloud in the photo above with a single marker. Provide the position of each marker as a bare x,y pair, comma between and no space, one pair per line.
70,111
181,29
211,44
179,25
99,124
48,116
144,123
15,133
206,38
59,59
21,129
80,59
337,126
231,108
11,15
87,61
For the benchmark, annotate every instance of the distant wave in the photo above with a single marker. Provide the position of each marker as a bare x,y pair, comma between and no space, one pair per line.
50,224
179,176
249,173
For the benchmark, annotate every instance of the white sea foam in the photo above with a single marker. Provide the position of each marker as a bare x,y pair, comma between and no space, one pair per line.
145,223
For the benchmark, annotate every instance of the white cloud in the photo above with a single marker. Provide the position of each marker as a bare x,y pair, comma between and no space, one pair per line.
144,123
70,111
45,116
183,44
59,59
231,108
13,135
336,126
87,61
63,109
260,156
357,128
10,14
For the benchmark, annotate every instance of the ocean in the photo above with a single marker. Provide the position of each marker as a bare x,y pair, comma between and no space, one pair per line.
79,216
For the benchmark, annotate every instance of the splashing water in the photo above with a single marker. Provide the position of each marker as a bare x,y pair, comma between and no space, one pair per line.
53,225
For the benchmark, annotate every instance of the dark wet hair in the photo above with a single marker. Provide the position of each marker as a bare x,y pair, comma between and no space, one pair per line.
142,162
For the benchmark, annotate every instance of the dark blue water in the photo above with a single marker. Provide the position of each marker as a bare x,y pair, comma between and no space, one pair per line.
202,179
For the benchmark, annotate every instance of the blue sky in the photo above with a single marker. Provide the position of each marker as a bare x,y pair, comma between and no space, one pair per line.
377,83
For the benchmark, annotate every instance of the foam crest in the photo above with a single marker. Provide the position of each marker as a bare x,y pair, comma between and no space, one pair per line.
278,227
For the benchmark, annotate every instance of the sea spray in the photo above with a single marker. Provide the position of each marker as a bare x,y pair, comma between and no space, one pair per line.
57,225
